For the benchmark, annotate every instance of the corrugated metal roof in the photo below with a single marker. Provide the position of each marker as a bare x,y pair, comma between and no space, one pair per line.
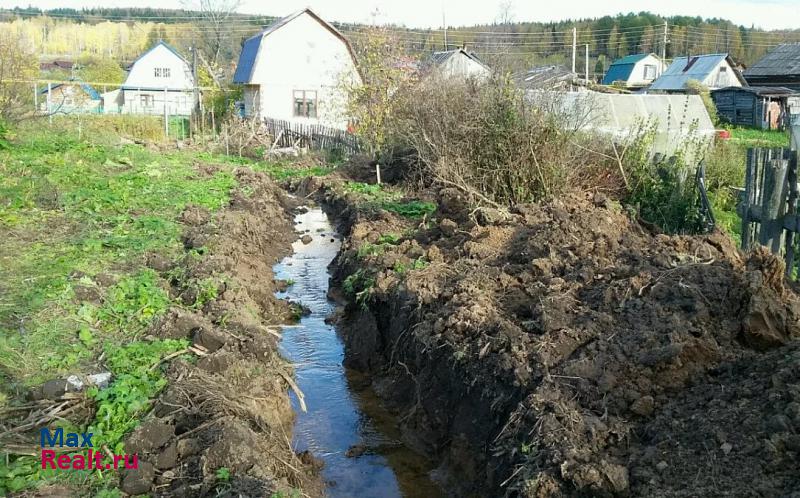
247,59
629,59
439,58
683,69
546,77
761,91
621,69
783,60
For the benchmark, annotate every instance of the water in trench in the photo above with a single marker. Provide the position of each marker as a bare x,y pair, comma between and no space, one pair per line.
339,418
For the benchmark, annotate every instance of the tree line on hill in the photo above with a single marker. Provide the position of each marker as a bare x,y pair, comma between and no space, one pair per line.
122,33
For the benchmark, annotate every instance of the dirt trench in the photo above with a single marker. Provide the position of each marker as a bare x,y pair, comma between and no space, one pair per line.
230,409
564,350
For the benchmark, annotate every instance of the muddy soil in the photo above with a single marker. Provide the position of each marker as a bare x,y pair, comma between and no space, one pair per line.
229,409
564,350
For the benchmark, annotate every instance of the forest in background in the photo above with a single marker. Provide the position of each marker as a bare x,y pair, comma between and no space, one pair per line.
123,34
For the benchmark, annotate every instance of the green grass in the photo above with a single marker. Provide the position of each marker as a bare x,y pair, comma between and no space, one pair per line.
376,196
74,210
752,137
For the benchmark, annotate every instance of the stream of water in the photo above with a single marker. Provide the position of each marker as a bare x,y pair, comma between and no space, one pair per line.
338,416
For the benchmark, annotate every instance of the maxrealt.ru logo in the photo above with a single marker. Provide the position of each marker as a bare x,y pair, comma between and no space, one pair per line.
90,460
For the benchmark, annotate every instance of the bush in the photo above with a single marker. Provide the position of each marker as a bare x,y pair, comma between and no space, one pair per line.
492,141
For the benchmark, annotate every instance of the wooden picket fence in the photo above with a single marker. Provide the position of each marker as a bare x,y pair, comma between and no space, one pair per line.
312,136
769,204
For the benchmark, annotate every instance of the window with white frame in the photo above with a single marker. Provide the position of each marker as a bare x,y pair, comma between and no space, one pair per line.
649,72
305,103
146,100
161,72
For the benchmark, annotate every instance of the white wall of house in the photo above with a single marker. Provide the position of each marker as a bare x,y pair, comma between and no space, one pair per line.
143,90
159,68
722,76
460,65
645,71
137,101
301,56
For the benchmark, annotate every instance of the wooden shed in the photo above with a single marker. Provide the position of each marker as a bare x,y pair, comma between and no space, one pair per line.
759,107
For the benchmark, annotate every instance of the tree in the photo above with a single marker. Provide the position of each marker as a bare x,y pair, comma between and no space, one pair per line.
215,32
100,70
384,69
18,68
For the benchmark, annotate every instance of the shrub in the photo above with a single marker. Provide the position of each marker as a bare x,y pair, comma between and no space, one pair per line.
491,140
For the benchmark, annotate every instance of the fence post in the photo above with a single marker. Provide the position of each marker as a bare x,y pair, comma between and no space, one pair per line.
773,202
49,101
748,198
792,210
166,115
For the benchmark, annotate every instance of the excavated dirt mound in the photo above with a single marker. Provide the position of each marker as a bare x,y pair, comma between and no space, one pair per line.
563,350
230,408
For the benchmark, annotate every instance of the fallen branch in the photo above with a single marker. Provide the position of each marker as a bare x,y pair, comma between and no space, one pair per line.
300,396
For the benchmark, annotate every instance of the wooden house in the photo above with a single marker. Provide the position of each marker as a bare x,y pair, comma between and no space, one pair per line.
159,82
780,67
758,107
712,70
634,71
298,70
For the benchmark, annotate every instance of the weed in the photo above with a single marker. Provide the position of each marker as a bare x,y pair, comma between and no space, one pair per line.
223,474
136,381
410,209
208,289
402,268
368,249
359,286
134,302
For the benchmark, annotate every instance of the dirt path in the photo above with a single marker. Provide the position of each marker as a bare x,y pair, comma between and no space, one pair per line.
563,350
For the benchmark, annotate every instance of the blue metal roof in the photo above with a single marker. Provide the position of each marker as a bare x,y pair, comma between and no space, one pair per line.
683,69
247,59
621,69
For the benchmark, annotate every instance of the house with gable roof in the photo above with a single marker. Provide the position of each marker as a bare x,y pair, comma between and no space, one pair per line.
297,70
634,71
160,81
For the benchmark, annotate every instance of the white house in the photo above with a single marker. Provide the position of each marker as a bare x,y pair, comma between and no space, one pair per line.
297,70
712,70
634,70
160,78
458,63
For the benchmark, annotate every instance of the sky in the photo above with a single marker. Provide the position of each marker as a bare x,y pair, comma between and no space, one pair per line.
767,14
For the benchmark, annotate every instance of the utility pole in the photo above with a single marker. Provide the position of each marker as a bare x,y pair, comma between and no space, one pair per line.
444,28
587,62
195,91
574,46
664,48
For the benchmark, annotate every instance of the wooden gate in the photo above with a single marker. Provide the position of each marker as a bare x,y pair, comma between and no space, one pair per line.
768,206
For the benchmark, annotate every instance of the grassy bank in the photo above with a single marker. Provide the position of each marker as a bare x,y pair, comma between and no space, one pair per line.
83,215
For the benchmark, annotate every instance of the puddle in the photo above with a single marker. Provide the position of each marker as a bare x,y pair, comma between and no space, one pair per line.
338,417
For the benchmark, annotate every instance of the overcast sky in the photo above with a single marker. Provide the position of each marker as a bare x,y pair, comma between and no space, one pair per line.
768,14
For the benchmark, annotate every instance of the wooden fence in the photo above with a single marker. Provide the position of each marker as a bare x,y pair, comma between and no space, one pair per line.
768,205
312,136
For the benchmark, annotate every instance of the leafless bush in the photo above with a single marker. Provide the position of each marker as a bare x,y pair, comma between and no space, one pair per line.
243,137
494,142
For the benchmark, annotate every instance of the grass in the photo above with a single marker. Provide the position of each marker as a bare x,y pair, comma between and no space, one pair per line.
376,196
753,137
78,214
